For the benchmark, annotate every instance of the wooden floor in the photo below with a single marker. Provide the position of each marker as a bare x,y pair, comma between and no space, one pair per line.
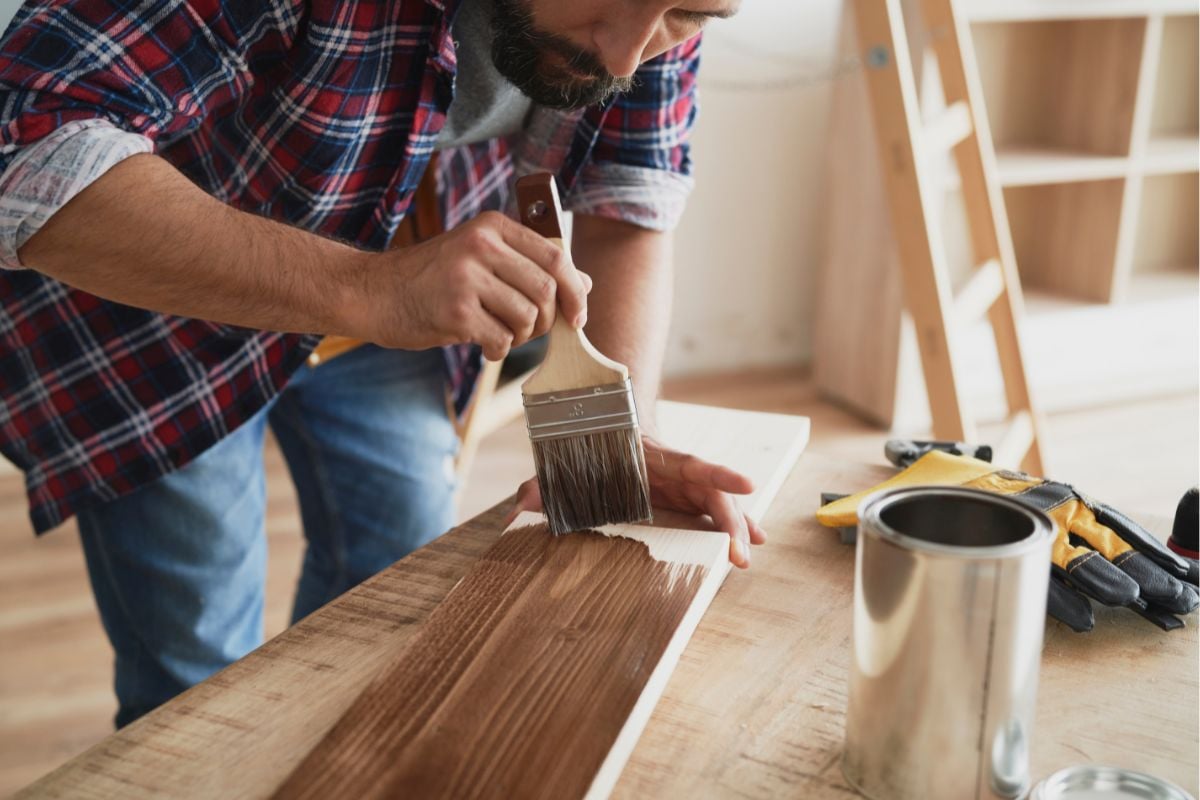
55,672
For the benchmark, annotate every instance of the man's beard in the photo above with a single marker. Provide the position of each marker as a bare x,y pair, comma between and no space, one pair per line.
520,50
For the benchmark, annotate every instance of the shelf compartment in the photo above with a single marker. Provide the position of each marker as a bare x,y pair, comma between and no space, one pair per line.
1167,232
1065,236
1061,85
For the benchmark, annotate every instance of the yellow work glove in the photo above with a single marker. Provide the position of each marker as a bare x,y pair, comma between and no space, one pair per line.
1097,550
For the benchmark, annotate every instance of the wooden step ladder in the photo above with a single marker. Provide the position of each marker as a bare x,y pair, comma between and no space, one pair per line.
907,148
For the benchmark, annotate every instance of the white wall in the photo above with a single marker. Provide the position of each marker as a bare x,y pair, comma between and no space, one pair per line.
749,244
748,247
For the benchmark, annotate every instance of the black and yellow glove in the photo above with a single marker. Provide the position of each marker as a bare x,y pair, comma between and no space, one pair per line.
1098,551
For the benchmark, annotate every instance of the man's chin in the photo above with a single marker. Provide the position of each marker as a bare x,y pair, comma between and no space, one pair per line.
562,96
571,95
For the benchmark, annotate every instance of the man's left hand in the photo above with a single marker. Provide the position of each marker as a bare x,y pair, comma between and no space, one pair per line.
684,483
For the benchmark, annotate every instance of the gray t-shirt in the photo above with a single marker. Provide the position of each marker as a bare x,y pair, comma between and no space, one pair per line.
486,105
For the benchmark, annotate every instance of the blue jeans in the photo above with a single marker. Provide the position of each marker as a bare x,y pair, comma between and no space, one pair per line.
178,566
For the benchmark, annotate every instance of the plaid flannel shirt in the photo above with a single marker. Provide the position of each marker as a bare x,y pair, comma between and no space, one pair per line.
318,113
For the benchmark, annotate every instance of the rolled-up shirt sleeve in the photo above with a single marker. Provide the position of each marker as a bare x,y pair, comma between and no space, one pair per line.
44,176
85,84
641,170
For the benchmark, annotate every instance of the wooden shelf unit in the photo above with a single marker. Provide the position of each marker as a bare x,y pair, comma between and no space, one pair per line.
1092,106
1083,107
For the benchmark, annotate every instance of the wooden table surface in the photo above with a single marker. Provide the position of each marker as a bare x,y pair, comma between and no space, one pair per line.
754,709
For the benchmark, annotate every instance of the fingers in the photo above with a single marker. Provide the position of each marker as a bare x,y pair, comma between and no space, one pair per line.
1067,605
1141,539
495,266
514,309
529,498
535,286
727,517
672,465
757,534
693,485
489,333
685,497
572,286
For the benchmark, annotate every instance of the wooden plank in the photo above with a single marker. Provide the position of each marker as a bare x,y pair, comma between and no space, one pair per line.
524,679
240,733
539,671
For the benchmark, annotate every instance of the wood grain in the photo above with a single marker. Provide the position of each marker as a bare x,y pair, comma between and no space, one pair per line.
242,732
856,349
754,708
522,679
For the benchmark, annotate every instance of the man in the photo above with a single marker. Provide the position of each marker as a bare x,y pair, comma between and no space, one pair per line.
191,194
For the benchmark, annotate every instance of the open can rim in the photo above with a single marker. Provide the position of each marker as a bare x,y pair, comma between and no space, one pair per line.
1070,782
874,505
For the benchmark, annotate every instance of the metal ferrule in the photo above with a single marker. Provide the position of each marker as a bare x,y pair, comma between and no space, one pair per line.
578,411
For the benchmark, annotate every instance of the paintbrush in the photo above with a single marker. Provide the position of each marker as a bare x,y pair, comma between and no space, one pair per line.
580,410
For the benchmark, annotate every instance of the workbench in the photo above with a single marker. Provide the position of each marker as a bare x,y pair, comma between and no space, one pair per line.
755,707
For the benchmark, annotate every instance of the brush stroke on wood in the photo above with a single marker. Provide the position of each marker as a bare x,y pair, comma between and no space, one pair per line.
524,677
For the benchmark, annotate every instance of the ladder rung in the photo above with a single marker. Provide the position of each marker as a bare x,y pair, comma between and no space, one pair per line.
1016,440
981,292
950,127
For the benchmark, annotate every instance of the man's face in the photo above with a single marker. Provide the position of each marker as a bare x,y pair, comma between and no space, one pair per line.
575,53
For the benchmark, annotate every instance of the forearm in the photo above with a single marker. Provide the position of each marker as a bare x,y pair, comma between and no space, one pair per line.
144,235
629,308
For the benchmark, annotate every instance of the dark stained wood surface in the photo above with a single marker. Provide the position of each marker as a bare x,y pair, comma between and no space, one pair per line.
519,682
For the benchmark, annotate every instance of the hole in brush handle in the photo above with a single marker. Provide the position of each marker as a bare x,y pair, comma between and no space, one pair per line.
537,199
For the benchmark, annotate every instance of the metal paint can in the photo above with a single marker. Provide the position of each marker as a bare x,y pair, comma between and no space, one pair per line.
949,609
1092,782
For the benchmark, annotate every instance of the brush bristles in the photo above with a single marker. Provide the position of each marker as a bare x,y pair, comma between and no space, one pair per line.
593,479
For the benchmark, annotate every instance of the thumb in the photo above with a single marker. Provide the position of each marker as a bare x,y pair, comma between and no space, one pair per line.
528,498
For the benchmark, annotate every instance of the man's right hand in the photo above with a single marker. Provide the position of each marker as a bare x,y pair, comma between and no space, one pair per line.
490,281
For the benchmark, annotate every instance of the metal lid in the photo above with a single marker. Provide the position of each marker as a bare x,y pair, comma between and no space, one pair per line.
1091,782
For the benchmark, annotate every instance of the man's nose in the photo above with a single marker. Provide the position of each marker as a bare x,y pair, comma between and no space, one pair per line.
622,44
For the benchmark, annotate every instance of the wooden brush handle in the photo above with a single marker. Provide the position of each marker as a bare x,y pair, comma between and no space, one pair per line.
571,361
